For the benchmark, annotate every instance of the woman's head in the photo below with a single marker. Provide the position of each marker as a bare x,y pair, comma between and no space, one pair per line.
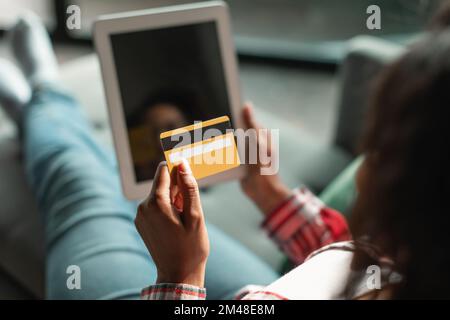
404,183
441,20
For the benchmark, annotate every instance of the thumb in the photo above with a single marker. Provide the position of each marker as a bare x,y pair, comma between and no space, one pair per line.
249,116
192,208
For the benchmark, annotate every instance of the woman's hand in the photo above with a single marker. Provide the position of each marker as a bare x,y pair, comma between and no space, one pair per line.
266,191
176,237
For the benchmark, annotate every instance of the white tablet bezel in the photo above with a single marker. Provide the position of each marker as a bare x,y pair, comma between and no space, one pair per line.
214,11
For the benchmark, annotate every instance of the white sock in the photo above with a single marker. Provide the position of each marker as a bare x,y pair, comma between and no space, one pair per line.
33,50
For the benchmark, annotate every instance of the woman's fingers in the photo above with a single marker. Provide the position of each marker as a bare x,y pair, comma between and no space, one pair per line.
156,205
175,195
173,189
160,193
177,242
249,116
192,208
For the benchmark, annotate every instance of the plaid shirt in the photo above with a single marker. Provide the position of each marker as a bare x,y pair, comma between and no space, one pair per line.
300,226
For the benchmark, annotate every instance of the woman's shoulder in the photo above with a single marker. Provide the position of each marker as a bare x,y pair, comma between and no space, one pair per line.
325,273
321,276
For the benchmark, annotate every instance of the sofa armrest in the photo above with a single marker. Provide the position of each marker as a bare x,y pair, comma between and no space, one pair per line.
366,56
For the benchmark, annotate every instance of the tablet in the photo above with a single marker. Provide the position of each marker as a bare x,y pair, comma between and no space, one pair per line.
162,69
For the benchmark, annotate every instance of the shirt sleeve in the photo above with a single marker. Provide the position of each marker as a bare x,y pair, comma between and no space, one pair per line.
302,224
173,291
256,292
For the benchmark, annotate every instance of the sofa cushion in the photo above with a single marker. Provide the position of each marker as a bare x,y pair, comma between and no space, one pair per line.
365,58
21,236
341,193
10,289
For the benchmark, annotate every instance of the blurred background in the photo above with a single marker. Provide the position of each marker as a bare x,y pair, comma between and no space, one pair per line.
306,64
297,42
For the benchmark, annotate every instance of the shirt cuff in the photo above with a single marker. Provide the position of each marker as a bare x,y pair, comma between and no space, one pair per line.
301,207
173,291
296,225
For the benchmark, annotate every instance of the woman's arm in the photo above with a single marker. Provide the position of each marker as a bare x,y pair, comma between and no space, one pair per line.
302,224
296,220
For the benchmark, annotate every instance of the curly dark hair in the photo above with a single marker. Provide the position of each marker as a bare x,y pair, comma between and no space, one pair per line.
402,206
441,19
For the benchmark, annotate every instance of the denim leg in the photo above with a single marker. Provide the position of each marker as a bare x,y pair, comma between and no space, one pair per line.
88,221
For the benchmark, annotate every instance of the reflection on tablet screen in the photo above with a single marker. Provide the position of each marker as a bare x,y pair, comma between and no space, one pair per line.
168,78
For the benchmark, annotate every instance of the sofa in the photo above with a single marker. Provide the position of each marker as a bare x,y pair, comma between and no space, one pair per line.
303,160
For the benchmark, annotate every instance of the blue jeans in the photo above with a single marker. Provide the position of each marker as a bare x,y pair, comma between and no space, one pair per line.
91,225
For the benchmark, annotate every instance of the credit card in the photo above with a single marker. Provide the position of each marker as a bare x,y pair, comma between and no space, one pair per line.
209,147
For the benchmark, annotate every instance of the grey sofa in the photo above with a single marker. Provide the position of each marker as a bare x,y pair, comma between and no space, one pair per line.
302,161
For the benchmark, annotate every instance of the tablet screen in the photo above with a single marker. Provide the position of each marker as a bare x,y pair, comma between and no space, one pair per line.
168,78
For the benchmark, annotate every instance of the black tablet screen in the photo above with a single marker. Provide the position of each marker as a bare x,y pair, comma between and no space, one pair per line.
168,78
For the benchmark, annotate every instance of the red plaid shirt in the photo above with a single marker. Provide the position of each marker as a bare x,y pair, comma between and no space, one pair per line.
300,226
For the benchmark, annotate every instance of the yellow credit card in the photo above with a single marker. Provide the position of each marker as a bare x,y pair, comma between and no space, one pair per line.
208,146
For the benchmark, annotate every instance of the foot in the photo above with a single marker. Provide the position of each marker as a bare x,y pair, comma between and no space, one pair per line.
14,90
33,50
